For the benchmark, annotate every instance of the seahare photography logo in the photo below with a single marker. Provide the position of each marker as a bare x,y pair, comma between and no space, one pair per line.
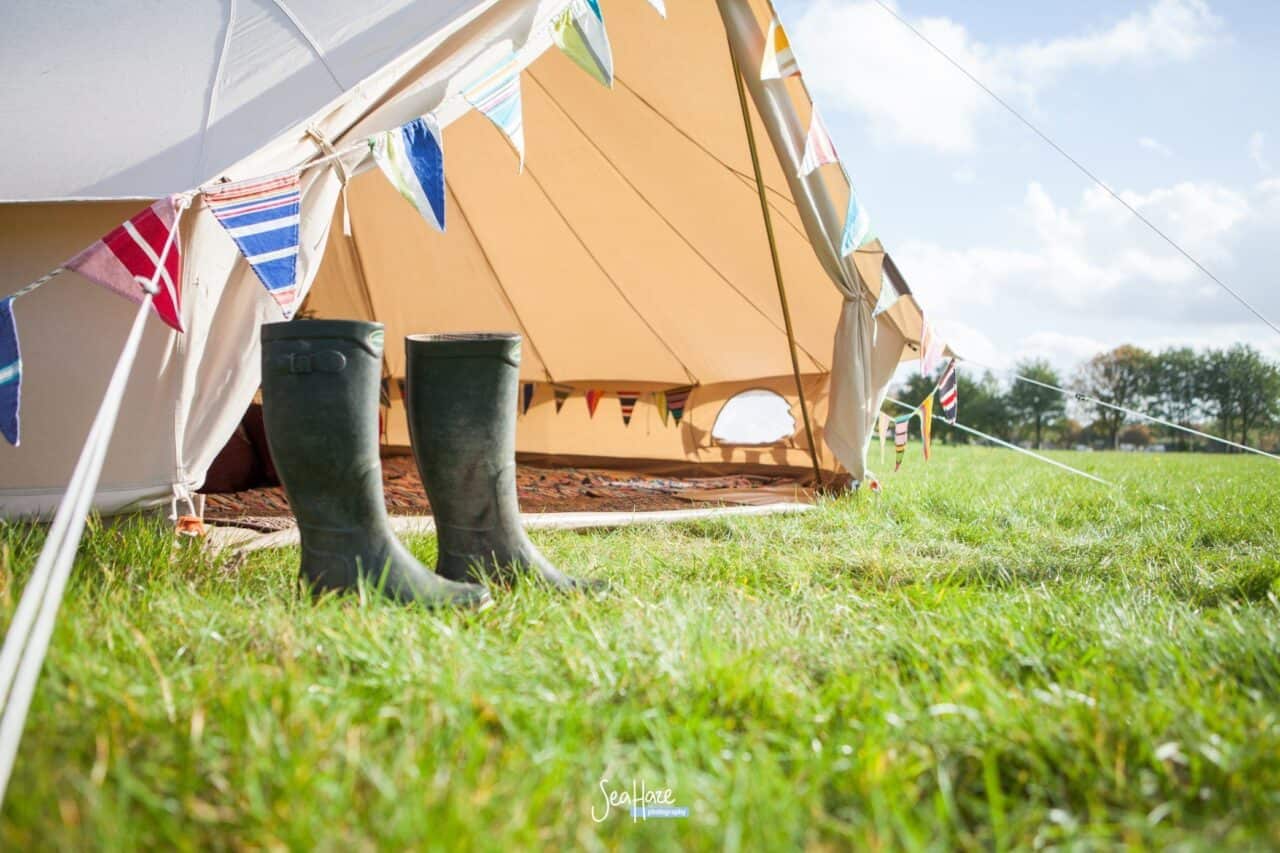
641,802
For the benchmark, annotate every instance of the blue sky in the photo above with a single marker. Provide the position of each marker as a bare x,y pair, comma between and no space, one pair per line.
1012,251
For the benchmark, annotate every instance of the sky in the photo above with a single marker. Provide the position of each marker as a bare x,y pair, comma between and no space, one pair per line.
1011,251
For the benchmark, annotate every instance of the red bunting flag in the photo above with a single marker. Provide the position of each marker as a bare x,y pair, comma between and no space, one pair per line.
126,259
628,400
593,400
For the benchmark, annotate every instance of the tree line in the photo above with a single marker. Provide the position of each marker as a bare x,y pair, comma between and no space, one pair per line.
1232,392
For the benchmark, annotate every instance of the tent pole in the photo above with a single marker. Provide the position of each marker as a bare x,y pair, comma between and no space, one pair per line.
777,266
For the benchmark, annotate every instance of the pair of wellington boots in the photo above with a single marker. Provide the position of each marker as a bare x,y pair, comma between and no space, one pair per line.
320,391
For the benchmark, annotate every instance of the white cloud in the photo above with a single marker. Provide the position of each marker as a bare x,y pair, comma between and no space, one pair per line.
1155,146
1258,151
911,94
965,176
1059,349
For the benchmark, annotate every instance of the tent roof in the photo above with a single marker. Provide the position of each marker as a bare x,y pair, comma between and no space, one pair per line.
142,98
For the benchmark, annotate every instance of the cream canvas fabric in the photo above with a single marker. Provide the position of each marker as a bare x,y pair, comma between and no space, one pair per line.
631,253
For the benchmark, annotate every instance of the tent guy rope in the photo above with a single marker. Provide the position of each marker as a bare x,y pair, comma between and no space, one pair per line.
991,438
1085,398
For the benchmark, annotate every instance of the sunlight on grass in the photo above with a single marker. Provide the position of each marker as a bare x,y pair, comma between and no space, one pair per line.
990,653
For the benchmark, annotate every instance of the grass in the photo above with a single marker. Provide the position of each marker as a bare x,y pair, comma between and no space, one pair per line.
990,654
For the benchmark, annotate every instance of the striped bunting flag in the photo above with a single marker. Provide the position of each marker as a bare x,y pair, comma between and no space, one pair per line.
561,393
593,400
949,393
779,61
526,397
677,400
412,158
819,150
579,32
127,258
857,226
628,400
497,95
900,435
10,373
926,426
262,217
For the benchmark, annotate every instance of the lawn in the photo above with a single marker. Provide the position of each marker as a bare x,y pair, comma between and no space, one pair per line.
990,654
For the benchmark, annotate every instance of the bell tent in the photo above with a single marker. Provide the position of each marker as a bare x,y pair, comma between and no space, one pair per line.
628,244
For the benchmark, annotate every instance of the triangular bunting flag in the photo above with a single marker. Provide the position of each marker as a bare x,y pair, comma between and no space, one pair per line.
660,402
900,435
931,348
10,374
677,399
779,61
581,35
262,218
857,226
949,393
497,95
561,393
926,426
127,257
660,5
628,401
886,427
819,150
889,297
412,158
526,397
593,400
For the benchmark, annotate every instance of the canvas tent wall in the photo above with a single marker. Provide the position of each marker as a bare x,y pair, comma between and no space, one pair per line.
631,252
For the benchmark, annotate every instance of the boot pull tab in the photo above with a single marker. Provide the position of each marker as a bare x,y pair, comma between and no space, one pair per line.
325,361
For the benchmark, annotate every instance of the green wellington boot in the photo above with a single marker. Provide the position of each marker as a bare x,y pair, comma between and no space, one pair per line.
320,381
461,399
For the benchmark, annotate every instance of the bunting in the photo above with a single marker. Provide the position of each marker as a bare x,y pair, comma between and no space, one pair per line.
497,95
677,400
660,403
886,427
412,158
561,393
926,426
628,401
262,218
931,348
526,397
888,297
581,36
857,227
593,400
127,258
660,5
779,61
949,393
819,150
10,373
900,427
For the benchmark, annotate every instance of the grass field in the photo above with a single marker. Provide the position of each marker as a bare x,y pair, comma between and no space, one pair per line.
990,654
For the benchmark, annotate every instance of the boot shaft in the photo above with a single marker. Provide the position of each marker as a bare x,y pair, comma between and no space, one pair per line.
461,393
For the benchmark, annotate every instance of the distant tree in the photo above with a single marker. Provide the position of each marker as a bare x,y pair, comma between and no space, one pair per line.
1242,390
1178,380
1138,435
1121,377
1035,406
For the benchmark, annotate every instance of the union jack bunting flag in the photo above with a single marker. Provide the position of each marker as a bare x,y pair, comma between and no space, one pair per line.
949,393
125,260
262,218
